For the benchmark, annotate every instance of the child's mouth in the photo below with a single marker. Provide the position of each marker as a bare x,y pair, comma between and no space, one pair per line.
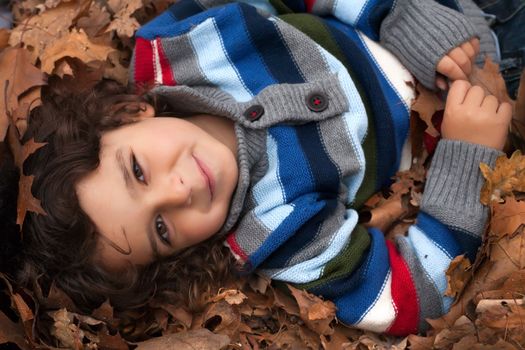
208,176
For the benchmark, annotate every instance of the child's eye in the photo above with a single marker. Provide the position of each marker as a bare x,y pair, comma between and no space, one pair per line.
137,170
162,230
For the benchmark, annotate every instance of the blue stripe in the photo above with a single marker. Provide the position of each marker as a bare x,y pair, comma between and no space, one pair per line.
301,239
305,207
372,16
389,113
295,5
354,296
241,50
469,244
184,9
439,233
268,42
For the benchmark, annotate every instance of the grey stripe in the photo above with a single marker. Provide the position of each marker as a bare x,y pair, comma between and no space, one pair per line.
429,298
304,52
327,230
186,69
323,7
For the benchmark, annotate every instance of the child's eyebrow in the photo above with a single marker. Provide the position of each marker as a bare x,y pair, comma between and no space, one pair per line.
127,179
125,173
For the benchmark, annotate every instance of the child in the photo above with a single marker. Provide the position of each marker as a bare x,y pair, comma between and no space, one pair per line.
286,126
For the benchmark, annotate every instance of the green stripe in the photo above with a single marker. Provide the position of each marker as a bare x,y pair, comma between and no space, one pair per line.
345,263
316,29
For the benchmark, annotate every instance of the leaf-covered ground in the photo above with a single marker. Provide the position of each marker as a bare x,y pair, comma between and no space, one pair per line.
86,40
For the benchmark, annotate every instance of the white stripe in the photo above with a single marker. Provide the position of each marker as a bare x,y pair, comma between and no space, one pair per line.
434,260
355,119
312,269
349,11
214,61
382,313
156,63
268,193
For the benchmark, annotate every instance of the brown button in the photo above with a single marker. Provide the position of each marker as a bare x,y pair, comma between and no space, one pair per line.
317,102
254,112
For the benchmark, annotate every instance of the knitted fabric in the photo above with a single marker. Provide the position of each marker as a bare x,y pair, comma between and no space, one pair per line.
303,172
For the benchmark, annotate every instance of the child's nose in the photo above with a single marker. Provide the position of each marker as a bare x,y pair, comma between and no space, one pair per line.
175,192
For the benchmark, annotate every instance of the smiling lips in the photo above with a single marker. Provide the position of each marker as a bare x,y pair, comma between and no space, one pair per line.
207,174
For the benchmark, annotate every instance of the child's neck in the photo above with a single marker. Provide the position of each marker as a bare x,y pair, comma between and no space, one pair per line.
220,128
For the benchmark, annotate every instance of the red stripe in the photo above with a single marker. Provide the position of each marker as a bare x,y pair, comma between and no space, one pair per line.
235,247
404,295
309,5
144,73
167,74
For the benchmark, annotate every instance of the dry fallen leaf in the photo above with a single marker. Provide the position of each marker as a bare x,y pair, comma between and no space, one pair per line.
75,44
66,331
426,104
124,24
201,339
508,175
10,332
4,38
490,79
507,217
458,274
318,314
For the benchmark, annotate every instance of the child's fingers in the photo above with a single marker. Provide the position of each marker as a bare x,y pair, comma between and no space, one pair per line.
475,96
475,44
450,69
441,83
490,103
504,110
458,91
469,49
461,58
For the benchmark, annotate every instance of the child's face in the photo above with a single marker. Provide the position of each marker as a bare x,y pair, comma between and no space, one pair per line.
163,184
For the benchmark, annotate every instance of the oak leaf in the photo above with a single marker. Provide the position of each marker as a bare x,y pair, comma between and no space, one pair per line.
97,18
315,312
458,274
508,175
75,44
507,217
490,79
426,104
123,23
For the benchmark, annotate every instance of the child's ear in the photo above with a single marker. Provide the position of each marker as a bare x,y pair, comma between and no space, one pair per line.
147,111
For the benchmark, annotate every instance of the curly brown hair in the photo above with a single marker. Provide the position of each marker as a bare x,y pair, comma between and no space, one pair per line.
60,246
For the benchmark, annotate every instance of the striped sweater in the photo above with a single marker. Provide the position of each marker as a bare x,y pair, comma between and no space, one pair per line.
320,127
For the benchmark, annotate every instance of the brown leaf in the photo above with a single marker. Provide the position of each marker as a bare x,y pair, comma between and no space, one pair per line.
426,104
201,339
49,26
66,331
504,315
11,332
97,18
420,343
336,341
315,312
74,44
507,217
18,76
223,318
26,202
508,175
4,38
124,24
490,79
26,103
231,296
458,274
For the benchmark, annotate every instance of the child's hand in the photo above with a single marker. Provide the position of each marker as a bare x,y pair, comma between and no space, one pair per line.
457,64
473,117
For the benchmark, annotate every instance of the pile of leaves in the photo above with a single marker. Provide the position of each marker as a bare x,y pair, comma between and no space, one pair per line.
88,40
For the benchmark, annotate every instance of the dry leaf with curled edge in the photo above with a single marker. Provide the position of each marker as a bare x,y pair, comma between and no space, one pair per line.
4,38
123,23
315,312
507,217
458,274
508,175
11,332
75,44
49,26
490,79
426,104
18,76
231,296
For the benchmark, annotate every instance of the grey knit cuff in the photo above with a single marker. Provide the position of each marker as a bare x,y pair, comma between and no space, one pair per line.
454,183
421,32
